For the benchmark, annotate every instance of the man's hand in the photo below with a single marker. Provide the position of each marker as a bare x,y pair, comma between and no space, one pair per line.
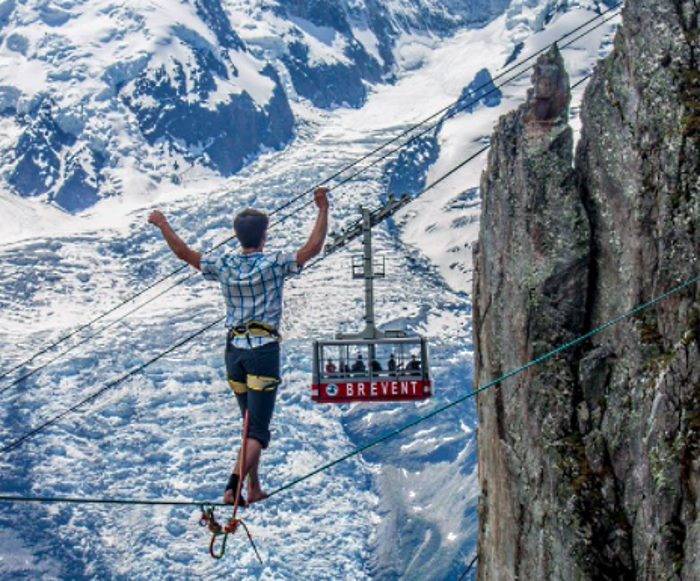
157,218
181,250
321,198
315,243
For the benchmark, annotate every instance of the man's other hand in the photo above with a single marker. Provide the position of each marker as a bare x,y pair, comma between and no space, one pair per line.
157,218
314,245
321,198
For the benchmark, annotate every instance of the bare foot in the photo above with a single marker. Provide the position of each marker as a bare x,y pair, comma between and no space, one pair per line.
230,497
256,494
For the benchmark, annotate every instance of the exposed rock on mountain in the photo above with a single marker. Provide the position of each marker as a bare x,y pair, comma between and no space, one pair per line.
529,297
589,463
95,97
95,89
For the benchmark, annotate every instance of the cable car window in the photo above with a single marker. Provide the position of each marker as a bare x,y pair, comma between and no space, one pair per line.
360,361
334,359
385,356
413,364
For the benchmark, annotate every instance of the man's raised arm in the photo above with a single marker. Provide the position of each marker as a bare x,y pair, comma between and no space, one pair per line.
314,245
177,245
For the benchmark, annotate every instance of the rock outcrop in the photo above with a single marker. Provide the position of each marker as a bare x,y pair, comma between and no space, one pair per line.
589,464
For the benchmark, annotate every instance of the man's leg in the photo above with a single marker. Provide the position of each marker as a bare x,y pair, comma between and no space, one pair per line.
263,379
231,487
237,383
253,450
261,405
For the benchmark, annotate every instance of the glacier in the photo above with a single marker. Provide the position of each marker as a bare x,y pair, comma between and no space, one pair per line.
405,509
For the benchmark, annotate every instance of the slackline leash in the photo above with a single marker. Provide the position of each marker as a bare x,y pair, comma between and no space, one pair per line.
208,518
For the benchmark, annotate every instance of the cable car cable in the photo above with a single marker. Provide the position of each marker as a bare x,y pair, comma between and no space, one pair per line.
112,384
111,324
191,275
108,386
463,106
469,567
289,203
474,101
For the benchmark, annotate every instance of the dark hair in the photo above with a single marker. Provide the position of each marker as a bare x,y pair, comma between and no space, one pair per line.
250,226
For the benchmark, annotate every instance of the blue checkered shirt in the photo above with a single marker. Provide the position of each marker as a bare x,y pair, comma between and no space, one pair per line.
252,288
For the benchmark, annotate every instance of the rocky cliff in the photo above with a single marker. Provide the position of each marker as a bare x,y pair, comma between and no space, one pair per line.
589,463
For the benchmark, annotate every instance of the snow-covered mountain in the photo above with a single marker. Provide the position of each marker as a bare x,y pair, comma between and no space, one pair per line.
93,93
402,510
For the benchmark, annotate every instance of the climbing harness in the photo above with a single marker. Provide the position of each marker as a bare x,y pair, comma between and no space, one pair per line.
254,329
208,518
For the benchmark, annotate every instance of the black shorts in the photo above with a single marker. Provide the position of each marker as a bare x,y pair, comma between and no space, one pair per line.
253,375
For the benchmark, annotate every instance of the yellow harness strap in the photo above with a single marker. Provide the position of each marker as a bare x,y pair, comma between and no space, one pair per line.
238,387
254,329
262,383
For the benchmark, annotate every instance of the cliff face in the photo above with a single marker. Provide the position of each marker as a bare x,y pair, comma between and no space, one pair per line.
589,464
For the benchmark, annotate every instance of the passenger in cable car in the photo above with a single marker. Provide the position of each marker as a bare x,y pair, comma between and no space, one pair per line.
344,368
413,365
391,365
330,366
376,366
359,365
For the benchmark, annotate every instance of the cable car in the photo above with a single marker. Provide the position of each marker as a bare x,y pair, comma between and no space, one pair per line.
371,365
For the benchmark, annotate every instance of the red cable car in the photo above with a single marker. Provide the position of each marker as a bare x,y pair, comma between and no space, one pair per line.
371,365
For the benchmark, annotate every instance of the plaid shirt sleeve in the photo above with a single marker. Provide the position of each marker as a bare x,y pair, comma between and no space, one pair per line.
287,261
210,267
